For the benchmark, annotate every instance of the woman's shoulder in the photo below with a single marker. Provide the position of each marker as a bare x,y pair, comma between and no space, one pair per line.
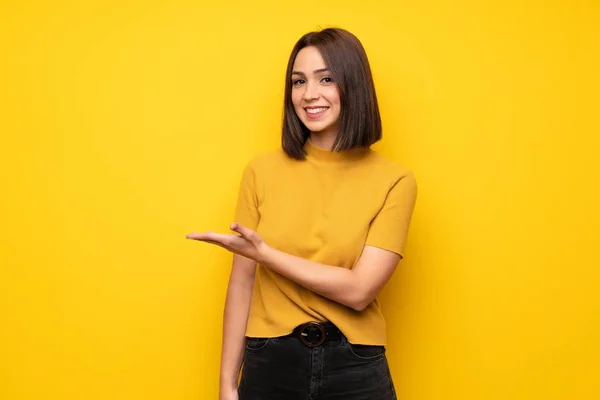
268,159
389,167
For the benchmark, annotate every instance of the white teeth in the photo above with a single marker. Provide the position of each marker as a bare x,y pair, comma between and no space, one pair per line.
315,110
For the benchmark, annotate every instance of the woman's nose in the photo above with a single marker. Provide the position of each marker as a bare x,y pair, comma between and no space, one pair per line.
311,92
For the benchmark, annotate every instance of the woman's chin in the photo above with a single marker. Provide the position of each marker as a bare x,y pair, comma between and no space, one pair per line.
318,127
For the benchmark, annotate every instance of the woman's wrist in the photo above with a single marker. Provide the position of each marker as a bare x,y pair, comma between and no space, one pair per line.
265,254
228,382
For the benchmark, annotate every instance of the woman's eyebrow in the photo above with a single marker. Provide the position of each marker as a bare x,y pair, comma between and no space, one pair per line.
316,71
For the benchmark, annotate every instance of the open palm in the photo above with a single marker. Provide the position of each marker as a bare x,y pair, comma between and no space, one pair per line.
247,243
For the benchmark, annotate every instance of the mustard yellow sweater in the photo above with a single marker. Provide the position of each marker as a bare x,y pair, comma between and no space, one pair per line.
325,209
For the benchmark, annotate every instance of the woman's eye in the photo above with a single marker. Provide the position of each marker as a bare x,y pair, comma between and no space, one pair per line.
297,82
327,79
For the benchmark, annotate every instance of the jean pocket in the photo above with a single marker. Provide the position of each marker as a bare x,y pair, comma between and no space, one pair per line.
256,344
367,352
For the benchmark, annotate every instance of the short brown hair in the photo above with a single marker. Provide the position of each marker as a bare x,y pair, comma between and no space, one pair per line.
359,120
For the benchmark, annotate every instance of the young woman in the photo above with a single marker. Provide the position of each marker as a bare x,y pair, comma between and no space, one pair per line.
320,227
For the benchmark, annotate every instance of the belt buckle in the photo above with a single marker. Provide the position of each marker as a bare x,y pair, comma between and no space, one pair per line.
303,334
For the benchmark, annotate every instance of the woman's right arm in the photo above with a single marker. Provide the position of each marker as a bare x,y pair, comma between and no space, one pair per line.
235,319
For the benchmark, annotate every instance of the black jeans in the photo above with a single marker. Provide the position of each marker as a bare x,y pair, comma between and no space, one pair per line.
285,368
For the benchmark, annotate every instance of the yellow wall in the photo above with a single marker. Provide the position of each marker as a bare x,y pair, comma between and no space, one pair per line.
125,126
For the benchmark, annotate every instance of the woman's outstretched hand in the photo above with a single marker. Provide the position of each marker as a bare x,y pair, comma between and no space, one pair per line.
247,243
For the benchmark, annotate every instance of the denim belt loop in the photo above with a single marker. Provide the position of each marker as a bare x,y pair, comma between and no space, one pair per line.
344,340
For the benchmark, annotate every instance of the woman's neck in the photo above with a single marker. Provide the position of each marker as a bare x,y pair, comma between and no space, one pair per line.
323,140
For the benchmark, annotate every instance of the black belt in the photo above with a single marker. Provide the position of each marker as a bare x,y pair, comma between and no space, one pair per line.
314,334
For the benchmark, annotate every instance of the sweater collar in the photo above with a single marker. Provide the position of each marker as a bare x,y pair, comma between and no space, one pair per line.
322,154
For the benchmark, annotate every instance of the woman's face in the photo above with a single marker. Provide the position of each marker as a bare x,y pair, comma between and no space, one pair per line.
314,93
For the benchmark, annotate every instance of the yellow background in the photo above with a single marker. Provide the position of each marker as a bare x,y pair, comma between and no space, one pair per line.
125,125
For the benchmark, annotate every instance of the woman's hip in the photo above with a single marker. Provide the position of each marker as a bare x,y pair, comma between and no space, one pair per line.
314,363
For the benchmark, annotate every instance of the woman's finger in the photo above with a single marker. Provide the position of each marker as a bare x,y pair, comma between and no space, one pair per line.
208,236
199,236
242,230
227,241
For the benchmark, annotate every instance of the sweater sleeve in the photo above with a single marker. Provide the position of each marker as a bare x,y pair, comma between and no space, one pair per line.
246,212
389,228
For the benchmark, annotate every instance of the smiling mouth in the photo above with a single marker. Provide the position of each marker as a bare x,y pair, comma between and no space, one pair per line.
315,112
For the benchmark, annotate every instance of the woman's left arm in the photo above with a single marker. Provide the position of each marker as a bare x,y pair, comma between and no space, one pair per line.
355,288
